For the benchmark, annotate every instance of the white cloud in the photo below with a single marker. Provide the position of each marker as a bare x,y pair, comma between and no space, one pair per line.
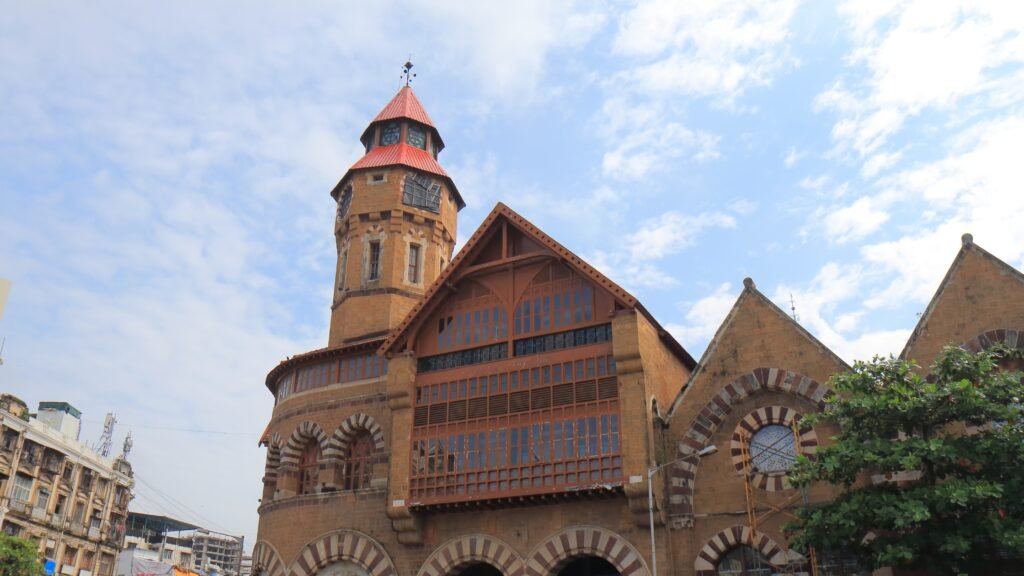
919,55
879,162
792,157
641,142
703,317
670,233
705,48
855,221
815,183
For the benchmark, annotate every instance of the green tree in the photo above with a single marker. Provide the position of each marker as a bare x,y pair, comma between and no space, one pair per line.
19,557
965,509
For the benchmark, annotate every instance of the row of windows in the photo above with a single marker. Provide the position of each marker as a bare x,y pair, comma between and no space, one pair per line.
373,264
543,313
463,358
473,327
568,339
337,371
539,442
564,452
588,368
522,347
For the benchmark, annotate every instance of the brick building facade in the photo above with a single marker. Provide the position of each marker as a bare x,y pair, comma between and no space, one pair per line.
502,412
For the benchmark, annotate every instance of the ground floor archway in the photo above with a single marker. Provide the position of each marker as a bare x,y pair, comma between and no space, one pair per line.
589,566
479,569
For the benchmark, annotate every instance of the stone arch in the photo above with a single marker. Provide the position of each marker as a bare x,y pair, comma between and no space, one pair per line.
303,433
1010,337
343,545
558,550
265,557
727,539
341,440
273,459
751,423
710,418
459,552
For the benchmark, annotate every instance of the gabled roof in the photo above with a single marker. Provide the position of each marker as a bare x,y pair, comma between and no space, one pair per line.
967,245
500,213
750,292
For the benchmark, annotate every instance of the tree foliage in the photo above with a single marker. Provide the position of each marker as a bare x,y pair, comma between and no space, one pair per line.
962,507
19,557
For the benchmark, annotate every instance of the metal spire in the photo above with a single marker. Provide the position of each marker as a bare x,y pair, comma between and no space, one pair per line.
407,74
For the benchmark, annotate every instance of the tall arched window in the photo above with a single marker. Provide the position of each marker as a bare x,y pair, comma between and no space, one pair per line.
359,464
309,467
744,561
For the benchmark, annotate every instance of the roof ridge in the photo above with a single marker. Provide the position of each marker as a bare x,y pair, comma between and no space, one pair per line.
966,244
749,288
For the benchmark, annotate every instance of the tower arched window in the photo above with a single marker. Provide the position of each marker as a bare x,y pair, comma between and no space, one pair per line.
359,465
309,467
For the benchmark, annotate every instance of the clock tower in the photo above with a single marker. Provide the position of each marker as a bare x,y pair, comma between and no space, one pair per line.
395,225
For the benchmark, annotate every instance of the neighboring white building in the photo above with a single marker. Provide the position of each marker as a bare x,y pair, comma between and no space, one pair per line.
58,492
183,545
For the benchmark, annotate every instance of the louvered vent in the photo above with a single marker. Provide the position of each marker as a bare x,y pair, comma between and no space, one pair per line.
420,417
586,391
561,394
478,407
519,401
457,411
541,399
499,405
607,388
438,413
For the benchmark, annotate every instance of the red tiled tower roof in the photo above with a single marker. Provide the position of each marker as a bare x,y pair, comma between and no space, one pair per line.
400,154
405,104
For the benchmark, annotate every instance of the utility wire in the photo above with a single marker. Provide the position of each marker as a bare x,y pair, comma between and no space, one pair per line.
188,430
182,506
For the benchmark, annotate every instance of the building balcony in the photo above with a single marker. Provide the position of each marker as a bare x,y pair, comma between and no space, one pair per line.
20,507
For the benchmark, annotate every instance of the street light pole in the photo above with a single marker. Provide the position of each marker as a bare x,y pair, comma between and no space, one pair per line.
706,451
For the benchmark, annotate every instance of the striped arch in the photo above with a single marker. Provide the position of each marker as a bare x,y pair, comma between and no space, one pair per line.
471,549
1011,338
554,553
715,412
302,434
273,459
343,545
727,539
342,438
751,423
266,559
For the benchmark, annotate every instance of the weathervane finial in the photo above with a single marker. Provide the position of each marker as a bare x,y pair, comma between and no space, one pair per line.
407,74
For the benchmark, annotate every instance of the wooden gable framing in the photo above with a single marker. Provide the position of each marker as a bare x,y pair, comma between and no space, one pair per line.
504,241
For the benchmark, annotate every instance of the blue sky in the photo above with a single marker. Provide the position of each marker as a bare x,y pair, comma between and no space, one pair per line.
165,173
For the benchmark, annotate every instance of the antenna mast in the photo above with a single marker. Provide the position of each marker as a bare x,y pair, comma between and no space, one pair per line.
127,446
107,438
792,308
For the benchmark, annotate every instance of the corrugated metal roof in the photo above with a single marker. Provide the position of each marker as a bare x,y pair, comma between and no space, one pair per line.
400,154
405,105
